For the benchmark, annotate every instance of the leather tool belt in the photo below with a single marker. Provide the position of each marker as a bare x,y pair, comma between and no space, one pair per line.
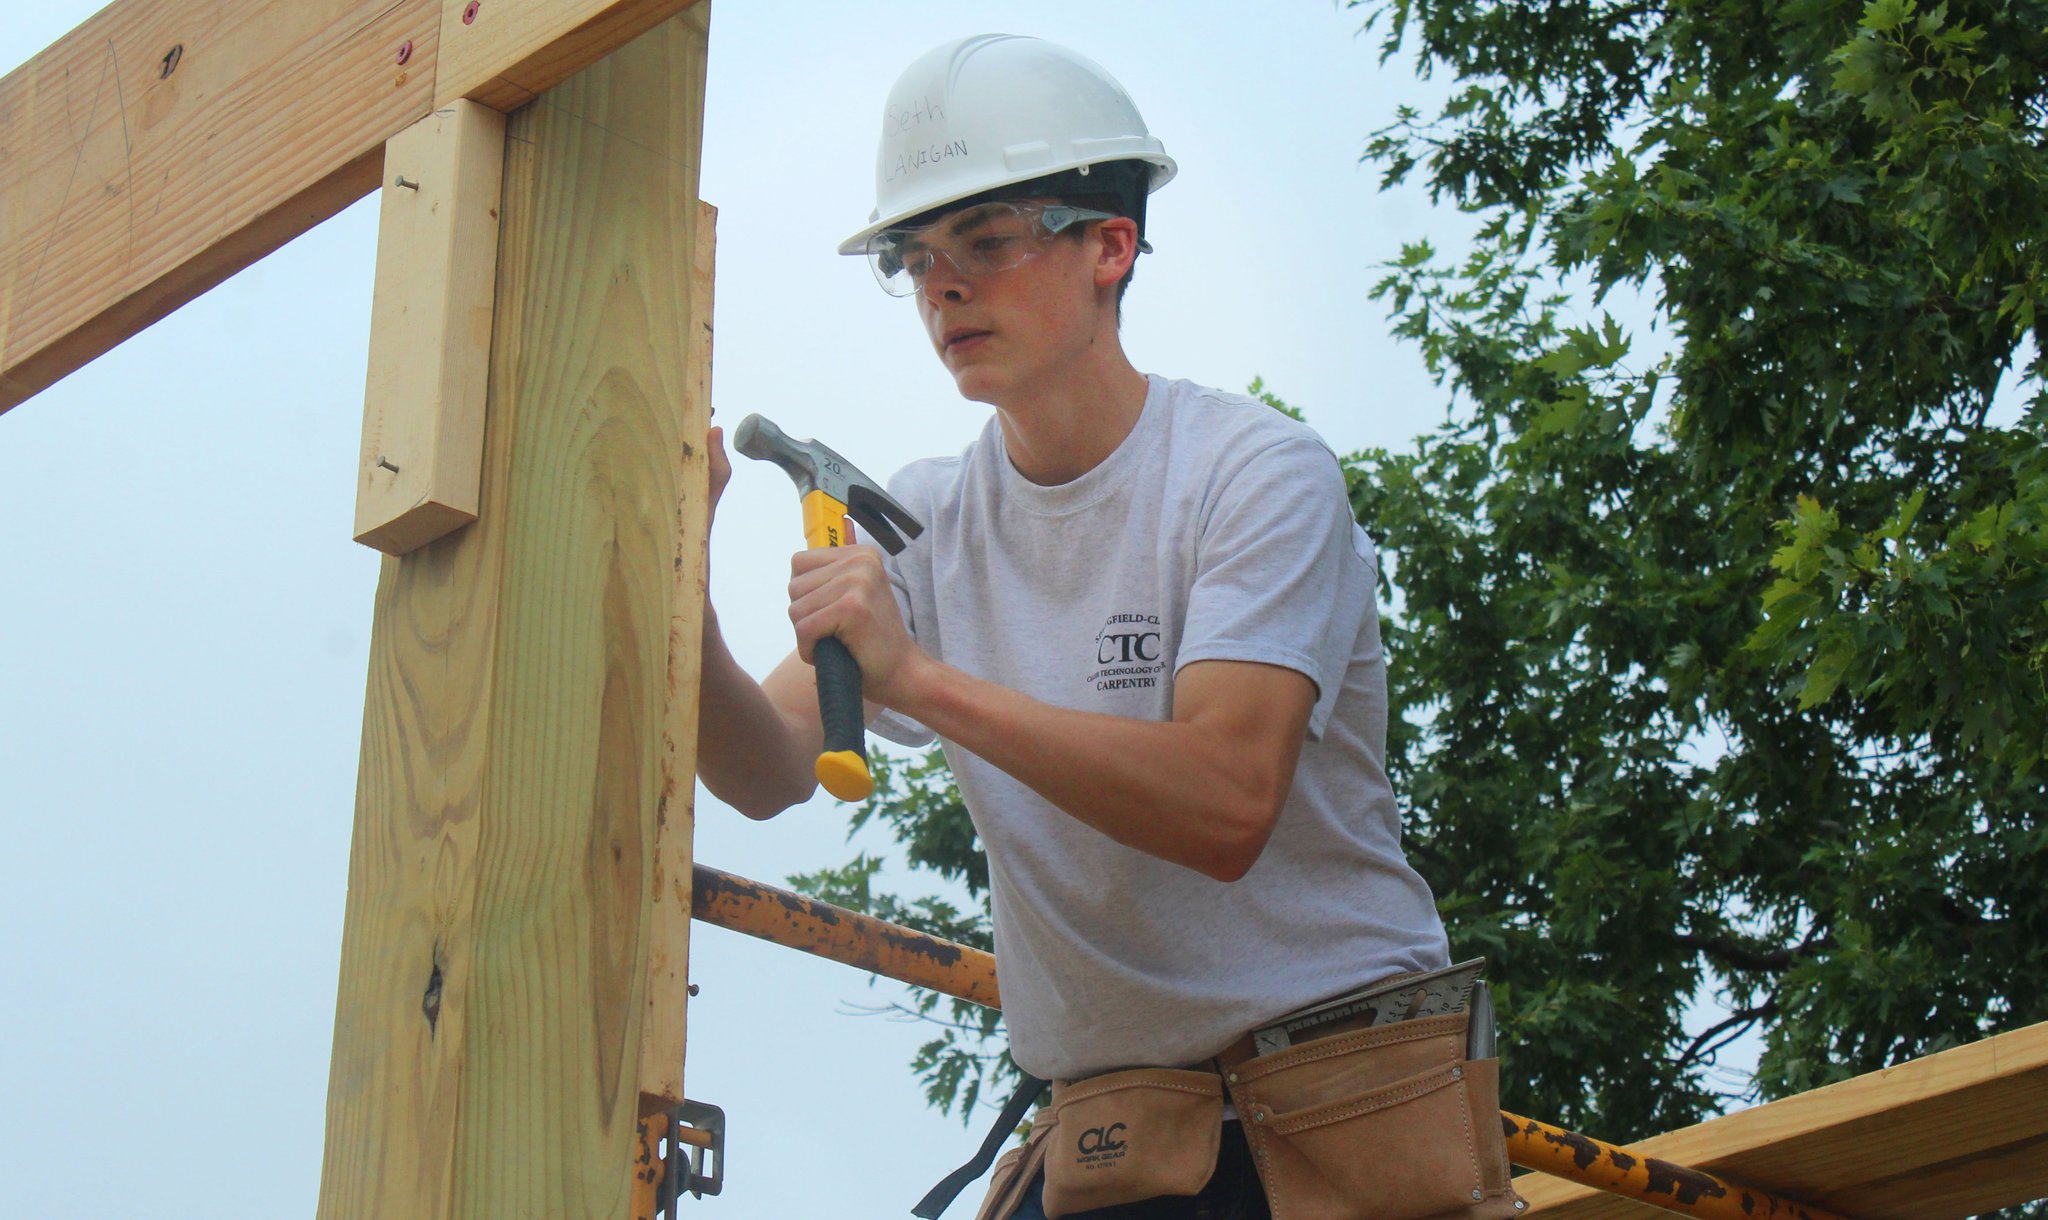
1391,1122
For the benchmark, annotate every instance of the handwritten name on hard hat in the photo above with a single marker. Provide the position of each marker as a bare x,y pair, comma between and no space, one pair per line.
924,110
917,159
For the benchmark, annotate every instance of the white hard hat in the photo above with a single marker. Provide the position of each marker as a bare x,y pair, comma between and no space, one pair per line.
994,110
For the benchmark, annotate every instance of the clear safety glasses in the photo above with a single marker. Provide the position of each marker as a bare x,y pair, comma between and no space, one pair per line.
978,241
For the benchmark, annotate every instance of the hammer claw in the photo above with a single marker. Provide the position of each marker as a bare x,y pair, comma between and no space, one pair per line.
880,516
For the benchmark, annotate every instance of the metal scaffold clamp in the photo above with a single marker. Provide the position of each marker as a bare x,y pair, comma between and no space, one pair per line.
694,1160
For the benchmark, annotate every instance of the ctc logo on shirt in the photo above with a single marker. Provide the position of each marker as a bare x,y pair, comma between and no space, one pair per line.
1123,647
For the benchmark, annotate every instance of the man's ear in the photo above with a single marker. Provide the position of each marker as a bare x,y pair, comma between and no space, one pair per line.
1116,251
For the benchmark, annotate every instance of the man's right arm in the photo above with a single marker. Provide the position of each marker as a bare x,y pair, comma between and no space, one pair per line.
757,742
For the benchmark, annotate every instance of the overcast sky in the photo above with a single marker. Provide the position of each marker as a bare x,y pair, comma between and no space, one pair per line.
187,621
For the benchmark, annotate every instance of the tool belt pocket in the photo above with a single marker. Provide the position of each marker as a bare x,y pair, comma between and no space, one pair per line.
1386,1123
1131,1135
1014,1172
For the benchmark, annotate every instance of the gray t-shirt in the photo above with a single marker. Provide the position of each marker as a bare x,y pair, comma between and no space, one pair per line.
1218,530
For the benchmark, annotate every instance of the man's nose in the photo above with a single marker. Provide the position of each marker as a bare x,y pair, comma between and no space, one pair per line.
944,282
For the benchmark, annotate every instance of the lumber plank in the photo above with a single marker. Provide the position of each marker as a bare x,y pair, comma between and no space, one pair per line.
430,328
504,53
502,871
1949,1135
668,975
127,192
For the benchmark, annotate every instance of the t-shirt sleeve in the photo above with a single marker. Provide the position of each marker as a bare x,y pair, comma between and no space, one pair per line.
1281,574
902,569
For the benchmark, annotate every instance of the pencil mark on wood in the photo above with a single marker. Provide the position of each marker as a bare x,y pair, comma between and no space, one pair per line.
57,221
127,150
587,121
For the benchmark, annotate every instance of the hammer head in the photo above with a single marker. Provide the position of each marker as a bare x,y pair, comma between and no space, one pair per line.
814,467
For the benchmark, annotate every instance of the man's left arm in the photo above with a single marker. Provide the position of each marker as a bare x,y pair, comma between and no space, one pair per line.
1201,790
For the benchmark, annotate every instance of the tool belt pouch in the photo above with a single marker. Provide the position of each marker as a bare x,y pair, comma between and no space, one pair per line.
1386,1123
1014,1171
1126,1136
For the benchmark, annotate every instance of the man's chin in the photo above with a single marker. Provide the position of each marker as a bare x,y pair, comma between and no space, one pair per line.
978,383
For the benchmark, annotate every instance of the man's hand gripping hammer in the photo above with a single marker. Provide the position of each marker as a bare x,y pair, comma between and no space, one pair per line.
832,489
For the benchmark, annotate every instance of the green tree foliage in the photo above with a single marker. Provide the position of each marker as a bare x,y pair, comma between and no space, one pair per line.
1718,651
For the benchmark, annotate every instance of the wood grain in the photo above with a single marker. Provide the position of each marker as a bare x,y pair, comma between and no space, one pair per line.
430,328
661,1040
504,53
1950,1135
513,755
127,192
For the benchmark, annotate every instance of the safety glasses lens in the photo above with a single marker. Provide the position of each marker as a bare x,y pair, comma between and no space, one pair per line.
977,241
885,256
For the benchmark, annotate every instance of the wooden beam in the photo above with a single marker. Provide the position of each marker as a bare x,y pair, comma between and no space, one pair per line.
430,328
127,190
1951,1135
662,1036
504,53
502,921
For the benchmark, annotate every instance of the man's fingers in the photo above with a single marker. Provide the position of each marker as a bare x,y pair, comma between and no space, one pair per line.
835,591
721,465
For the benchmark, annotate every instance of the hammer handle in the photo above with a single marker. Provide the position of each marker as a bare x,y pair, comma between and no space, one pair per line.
843,765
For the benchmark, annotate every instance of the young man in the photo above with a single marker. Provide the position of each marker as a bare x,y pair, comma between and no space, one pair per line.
1141,619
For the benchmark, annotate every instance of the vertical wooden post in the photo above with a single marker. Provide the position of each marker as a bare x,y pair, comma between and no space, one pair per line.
523,807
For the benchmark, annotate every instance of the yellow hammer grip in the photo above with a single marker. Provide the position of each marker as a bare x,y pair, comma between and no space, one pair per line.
824,520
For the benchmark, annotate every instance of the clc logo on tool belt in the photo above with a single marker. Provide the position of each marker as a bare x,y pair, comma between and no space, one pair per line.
1101,1139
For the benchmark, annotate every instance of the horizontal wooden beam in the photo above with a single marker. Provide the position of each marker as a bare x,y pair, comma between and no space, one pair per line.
164,145
1951,1135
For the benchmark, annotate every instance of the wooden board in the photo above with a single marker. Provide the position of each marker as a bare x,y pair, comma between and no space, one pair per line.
504,53
668,973
498,940
1950,1135
125,192
430,328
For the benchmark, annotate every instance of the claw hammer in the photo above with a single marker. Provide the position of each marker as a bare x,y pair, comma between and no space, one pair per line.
832,489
